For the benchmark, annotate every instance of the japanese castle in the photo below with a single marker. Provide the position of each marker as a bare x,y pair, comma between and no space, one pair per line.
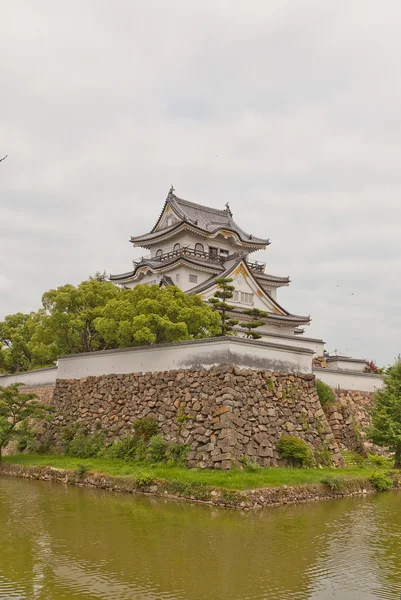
191,245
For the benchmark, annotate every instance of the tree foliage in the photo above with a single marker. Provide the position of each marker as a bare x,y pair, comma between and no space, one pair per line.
386,413
96,315
250,326
225,291
17,410
69,316
20,349
149,314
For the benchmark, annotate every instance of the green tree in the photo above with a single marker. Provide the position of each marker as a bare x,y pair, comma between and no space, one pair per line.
225,291
69,316
19,350
386,413
18,410
150,314
250,326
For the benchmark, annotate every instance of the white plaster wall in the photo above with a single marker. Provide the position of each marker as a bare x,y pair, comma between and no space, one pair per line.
346,380
36,378
294,340
242,353
346,365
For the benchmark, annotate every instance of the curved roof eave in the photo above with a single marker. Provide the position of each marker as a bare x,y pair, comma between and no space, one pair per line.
158,265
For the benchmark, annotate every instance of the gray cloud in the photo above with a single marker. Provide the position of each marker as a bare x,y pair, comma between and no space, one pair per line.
288,110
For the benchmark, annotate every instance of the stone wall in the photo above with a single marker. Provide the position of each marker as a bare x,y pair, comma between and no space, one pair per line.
349,419
44,394
223,414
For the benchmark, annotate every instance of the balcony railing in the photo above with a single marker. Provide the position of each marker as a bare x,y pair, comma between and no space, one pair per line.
256,266
187,251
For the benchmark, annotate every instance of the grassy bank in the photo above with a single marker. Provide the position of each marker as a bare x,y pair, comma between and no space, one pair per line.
231,480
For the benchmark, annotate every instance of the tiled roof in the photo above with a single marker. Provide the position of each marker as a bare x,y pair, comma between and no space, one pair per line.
204,218
161,264
266,277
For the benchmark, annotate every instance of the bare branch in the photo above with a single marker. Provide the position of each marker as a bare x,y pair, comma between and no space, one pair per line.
4,158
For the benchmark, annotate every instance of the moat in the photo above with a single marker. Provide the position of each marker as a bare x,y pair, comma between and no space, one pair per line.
73,543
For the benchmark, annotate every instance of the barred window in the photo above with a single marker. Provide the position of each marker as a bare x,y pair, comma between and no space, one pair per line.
243,298
193,278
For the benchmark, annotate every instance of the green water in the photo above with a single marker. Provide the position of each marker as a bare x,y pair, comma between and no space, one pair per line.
61,542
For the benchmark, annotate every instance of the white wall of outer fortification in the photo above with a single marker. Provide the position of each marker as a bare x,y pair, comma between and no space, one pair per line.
37,378
293,340
187,355
347,380
347,365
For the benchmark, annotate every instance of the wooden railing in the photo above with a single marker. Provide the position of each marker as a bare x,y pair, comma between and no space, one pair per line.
187,251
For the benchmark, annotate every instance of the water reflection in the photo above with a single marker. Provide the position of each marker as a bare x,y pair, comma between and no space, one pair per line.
59,542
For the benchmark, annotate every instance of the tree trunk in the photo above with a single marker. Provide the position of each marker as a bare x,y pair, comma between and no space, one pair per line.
397,458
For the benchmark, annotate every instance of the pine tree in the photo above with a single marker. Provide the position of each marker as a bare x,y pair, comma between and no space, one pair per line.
249,326
225,291
386,413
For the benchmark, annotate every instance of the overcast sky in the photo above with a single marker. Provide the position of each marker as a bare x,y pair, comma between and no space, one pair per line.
289,110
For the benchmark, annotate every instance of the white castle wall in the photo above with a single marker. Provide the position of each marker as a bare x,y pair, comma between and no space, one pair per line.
37,378
349,380
188,355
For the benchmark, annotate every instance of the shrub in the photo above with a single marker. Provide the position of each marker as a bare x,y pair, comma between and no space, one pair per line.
382,482
295,450
333,482
81,470
125,448
380,462
146,427
249,465
157,449
143,480
176,453
325,393
86,446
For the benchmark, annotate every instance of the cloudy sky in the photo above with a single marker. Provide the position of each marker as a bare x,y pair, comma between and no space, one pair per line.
289,110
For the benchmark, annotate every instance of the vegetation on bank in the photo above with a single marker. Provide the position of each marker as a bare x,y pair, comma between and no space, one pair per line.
236,479
18,413
386,413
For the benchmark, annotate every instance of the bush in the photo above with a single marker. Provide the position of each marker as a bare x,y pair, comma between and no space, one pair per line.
157,449
382,482
86,446
143,480
295,450
381,462
81,470
146,427
124,449
333,482
325,393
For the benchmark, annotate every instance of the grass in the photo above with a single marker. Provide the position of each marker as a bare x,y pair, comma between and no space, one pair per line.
233,480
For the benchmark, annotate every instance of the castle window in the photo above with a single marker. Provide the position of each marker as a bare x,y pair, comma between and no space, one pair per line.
243,298
223,252
159,253
213,251
177,277
199,248
177,247
193,278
